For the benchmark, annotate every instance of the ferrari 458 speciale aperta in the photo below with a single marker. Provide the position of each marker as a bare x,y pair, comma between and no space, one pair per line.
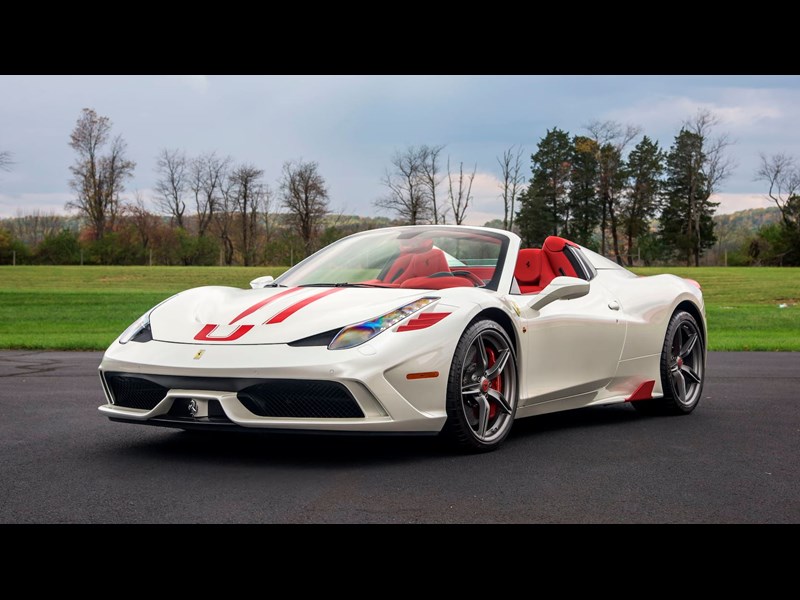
420,329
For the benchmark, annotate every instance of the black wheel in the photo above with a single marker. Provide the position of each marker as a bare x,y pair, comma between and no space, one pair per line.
682,368
481,389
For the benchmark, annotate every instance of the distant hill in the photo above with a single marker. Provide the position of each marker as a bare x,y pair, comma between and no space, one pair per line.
749,220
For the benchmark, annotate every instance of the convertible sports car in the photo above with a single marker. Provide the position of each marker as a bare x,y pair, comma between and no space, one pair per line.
421,329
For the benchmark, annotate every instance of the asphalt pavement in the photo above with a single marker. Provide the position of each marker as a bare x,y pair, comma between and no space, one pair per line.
734,460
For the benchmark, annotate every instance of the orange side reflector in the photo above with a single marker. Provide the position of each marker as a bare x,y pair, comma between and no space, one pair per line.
426,375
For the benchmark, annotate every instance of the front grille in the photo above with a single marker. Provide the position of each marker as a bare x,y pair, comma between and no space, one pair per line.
300,399
135,392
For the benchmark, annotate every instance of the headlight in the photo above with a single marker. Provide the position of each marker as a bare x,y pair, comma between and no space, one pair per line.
136,328
140,324
355,335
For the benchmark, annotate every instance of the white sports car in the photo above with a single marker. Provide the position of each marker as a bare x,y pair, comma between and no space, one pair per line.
422,329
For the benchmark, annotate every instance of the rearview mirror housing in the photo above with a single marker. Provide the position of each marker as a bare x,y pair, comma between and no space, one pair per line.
560,288
261,282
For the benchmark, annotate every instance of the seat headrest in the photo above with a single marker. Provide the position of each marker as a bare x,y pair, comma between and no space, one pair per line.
415,246
556,244
529,264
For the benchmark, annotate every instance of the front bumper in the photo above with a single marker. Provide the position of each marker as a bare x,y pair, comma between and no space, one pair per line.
372,374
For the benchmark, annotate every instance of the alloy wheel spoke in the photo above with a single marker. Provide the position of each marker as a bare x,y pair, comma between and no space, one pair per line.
482,354
483,416
501,401
471,388
680,385
677,342
691,373
687,348
499,365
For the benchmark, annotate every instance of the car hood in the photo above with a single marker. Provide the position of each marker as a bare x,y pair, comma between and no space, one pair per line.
272,315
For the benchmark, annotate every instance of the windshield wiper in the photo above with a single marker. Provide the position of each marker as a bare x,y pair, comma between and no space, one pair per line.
275,285
345,284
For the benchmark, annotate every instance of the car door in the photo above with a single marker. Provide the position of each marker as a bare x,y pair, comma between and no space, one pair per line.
573,346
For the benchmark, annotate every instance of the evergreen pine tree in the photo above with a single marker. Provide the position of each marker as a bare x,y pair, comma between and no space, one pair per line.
543,206
645,168
685,224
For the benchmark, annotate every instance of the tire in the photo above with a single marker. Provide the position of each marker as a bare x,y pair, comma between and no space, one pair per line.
682,368
481,396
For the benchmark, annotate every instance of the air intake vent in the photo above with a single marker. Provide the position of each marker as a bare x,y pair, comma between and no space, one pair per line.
300,399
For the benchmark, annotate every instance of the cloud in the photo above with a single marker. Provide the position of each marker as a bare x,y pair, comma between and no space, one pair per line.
737,109
199,83
730,203
12,205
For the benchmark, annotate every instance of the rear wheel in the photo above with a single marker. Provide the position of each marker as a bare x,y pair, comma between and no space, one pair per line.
682,368
481,389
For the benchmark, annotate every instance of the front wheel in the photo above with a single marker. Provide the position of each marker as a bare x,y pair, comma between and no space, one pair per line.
682,368
481,389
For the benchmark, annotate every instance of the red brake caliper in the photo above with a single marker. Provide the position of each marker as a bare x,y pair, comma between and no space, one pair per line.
495,384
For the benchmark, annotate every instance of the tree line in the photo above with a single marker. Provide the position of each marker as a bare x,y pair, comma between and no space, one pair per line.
609,188
627,201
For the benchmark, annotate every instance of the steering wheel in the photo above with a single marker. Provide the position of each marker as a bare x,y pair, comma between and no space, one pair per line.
471,276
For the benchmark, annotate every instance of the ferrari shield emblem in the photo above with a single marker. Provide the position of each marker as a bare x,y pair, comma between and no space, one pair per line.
199,354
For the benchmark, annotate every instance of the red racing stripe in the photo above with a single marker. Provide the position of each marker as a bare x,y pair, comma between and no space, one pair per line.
263,303
288,312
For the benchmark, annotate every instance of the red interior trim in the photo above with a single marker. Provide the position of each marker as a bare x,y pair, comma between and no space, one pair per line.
643,392
263,303
288,312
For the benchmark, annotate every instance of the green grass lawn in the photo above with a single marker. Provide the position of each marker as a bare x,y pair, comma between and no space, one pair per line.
742,305
85,308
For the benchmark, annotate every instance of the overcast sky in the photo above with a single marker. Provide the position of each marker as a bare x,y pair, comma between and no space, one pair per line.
352,124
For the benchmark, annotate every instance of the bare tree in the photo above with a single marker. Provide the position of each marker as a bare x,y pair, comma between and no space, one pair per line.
32,228
408,193
224,216
429,171
5,160
305,195
511,183
611,139
98,179
206,173
716,166
173,175
461,195
782,174
251,194
143,220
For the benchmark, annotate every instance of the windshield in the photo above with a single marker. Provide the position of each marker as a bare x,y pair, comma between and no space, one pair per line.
420,257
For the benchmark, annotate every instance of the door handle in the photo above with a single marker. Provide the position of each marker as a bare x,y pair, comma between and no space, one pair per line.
613,305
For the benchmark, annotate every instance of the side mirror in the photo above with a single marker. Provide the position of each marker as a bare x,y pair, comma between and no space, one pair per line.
561,288
261,282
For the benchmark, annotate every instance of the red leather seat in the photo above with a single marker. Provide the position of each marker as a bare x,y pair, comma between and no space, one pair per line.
536,268
553,248
532,270
424,265
402,262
